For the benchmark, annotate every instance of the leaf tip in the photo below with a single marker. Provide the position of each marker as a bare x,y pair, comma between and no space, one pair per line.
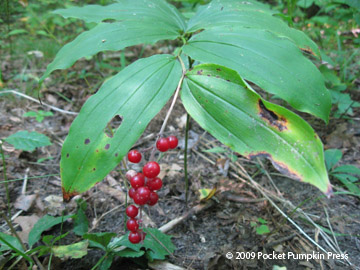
67,196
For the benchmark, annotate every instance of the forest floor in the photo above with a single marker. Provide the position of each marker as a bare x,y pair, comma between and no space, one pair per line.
227,222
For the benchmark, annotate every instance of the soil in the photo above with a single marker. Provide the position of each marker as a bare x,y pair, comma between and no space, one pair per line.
203,240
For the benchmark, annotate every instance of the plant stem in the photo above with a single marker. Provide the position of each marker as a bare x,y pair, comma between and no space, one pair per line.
171,106
5,178
185,159
127,189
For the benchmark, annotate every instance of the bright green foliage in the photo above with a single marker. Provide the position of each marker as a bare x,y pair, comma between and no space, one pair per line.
154,250
274,64
136,94
28,141
74,251
141,21
348,175
222,104
100,240
39,115
43,224
245,37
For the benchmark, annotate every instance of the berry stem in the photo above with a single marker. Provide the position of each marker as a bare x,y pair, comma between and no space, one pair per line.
171,106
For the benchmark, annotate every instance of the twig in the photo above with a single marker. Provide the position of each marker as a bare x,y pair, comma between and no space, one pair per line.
23,189
35,100
193,211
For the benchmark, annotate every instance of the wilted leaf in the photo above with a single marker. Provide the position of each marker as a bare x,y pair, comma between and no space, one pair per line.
74,251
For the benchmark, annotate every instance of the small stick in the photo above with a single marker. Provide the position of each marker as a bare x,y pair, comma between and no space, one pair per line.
35,100
23,189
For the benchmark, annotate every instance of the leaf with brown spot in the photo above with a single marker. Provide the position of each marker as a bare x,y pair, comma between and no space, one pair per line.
238,117
137,94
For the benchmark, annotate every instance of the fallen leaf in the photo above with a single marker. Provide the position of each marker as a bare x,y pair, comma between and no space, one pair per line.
25,202
26,223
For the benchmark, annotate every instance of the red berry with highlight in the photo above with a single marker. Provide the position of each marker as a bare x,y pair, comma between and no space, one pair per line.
154,183
137,181
134,156
153,198
132,211
135,237
151,169
132,192
173,141
162,144
132,225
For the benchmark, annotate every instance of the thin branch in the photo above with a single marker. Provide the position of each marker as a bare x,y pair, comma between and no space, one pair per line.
37,101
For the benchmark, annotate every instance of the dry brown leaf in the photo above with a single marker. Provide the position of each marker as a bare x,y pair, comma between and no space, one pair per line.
25,202
26,223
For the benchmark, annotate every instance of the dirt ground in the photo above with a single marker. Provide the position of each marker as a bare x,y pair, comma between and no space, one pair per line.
204,240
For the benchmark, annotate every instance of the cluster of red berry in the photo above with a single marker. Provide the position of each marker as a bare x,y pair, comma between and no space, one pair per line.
144,186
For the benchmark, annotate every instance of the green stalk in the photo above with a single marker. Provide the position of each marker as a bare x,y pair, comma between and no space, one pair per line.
5,178
185,159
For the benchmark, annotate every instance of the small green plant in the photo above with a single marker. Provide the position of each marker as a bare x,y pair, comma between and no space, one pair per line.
39,115
28,141
348,175
260,226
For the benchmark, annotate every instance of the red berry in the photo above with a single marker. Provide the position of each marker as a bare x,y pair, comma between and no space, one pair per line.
153,198
134,156
132,225
151,169
154,183
132,211
138,180
173,141
162,144
135,237
132,192
142,195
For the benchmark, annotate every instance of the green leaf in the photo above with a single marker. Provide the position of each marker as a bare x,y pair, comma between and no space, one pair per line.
223,105
74,251
154,250
142,12
43,224
136,94
347,181
274,64
262,229
28,141
12,243
103,239
244,14
129,253
347,169
108,37
81,223
332,157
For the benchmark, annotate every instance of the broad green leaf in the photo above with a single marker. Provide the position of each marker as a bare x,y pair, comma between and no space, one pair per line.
244,14
108,37
45,223
221,103
101,239
274,64
9,242
157,12
348,181
136,94
28,141
81,223
347,169
129,253
74,251
154,250
332,157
